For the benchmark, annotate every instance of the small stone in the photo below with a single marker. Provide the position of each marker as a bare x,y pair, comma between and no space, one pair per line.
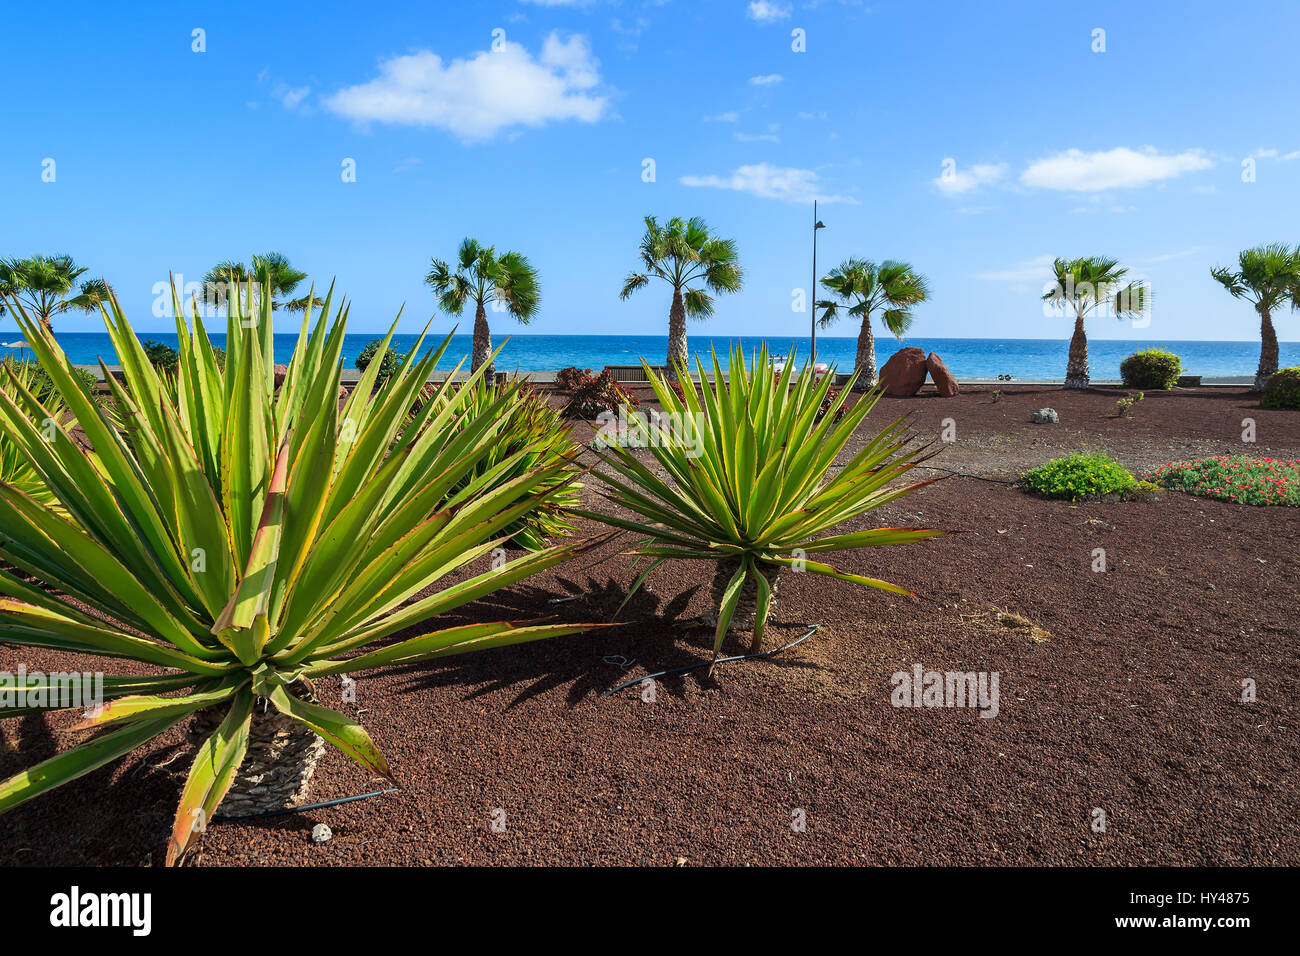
1045,416
321,833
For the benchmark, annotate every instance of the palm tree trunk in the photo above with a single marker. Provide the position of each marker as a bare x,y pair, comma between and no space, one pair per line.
677,356
1076,372
48,326
482,344
866,360
1267,350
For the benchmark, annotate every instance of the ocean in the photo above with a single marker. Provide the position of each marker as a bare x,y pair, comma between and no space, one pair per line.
1022,359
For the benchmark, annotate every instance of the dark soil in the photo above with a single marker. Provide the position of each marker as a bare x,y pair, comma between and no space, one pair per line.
1123,693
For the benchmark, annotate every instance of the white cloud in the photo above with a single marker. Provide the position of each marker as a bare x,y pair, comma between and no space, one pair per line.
812,116
478,97
1169,256
964,179
1119,168
731,116
769,79
771,182
292,97
1027,272
1290,156
765,12
756,138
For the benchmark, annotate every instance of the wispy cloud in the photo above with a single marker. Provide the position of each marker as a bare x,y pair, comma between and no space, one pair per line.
768,79
1026,271
476,98
766,12
731,116
1119,168
962,179
756,137
1170,256
785,183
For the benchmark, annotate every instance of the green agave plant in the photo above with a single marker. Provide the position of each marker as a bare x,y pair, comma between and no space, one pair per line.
533,435
748,482
16,471
241,537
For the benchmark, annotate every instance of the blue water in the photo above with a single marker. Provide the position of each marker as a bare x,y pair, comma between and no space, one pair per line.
1023,359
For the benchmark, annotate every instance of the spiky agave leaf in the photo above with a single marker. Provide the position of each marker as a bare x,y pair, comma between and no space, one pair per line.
748,466
246,535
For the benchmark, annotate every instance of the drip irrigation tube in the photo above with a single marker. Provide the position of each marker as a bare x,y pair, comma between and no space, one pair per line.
310,806
966,474
812,629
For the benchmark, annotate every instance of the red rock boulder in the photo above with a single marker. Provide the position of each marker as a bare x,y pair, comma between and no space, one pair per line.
904,373
943,380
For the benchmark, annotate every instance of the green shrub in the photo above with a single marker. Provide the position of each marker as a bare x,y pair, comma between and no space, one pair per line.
1282,389
1247,481
1151,368
1127,402
1078,476
388,365
162,357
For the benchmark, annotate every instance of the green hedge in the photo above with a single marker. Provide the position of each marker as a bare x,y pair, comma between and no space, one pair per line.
1282,389
1151,368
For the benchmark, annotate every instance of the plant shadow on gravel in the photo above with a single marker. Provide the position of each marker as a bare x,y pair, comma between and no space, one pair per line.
651,636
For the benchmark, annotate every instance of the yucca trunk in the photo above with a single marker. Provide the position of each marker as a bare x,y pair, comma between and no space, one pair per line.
866,360
281,758
482,343
1267,350
745,616
1076,371
677,357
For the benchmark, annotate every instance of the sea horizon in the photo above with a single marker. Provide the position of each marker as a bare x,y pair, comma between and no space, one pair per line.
1024,359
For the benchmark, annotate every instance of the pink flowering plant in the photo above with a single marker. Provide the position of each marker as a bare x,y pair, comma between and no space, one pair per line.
1247,481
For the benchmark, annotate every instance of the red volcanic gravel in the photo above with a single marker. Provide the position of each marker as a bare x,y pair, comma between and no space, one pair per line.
1119,690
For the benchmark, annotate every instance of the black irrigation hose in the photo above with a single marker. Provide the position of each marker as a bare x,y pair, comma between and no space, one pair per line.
310,806
812,629
963,474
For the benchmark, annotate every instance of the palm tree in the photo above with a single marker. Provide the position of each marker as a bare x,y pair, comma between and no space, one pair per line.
483,276
273,268
43,283
1269,277
681,253
892,287
1086,285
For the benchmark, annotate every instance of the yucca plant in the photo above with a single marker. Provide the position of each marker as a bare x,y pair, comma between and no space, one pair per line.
748,482
248,539
534,436
16,471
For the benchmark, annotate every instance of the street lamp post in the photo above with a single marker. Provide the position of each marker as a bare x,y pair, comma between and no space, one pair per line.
812,303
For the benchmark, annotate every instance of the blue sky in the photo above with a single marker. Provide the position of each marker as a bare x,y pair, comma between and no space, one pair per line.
171,159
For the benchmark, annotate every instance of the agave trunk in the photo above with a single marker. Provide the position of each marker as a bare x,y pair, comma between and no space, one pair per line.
1076,372
282,756
677,357
745,617
482,343
1267,350
866,360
